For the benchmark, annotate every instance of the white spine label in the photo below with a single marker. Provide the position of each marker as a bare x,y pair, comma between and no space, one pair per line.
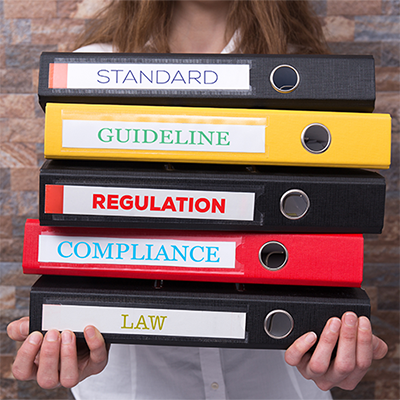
131,251
145,321
138,202
159,76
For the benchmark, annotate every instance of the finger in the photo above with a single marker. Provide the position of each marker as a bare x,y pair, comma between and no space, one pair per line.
345,360
48,375
69,375
364,353
24,367
322,356
98,355
294,355
19,330
380,348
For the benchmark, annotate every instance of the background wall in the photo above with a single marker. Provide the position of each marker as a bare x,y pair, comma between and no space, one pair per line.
28,27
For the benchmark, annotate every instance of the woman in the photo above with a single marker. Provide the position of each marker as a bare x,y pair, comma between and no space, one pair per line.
168,372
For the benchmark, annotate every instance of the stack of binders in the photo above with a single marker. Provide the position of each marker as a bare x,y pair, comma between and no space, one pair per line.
205,200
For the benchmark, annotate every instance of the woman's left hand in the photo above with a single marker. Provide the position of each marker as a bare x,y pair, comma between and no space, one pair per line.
357,347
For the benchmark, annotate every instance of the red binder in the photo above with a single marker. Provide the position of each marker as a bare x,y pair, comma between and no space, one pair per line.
239,257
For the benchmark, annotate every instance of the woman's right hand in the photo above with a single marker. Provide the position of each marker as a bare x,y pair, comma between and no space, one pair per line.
53,360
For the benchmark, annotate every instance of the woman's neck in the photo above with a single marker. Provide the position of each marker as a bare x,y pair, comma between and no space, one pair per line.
199,26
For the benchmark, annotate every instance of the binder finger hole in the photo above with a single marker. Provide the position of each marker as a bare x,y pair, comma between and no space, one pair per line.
284,79
316,138
294,204
273,255
278,324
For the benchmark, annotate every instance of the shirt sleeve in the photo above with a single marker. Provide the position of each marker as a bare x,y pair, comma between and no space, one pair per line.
96,48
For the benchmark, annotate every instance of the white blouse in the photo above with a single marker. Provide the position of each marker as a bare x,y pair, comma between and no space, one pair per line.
183,373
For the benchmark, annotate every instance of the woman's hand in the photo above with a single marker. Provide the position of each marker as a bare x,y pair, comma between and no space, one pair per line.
53,360
357,347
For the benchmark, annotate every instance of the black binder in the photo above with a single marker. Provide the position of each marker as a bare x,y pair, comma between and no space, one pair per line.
263,198
189,313
302,82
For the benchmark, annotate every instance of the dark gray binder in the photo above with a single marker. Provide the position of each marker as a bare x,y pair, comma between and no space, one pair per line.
258,316
286,199
302,82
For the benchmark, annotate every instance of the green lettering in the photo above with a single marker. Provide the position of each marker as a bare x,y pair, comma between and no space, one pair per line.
192,137
209,140
99,135
145,135
136,136
166,136
178,139
221,138
119,135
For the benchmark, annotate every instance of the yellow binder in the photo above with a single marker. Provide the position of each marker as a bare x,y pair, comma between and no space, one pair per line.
217,135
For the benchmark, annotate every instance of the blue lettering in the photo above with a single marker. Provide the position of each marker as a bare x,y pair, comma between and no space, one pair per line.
212,254
205,77
87,249
162,252
108,248
134,247
196,78
120,251
60,252
116,73
149,246
176,79
129,79
149,79
192,253
157,76
103,76
176,250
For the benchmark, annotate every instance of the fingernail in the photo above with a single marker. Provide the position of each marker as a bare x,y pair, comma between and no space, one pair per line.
35,338
24,329
334,326
52,336
364,324
66,337
90,332
350,319
310,338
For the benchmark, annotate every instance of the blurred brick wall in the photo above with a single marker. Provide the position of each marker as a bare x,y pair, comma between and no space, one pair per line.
28,27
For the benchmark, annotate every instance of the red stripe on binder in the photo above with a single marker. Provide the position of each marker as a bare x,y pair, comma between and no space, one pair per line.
58,74
54,199
311,259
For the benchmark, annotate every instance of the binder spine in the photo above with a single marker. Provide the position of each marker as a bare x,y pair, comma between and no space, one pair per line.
301,259
217,135
196,80
260,200
182,314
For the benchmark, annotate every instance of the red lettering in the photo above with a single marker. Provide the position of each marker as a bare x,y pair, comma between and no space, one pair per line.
126,202
199,201
220,206
168,205
145,203
181,201
191,204
112,202
152,204
98,201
